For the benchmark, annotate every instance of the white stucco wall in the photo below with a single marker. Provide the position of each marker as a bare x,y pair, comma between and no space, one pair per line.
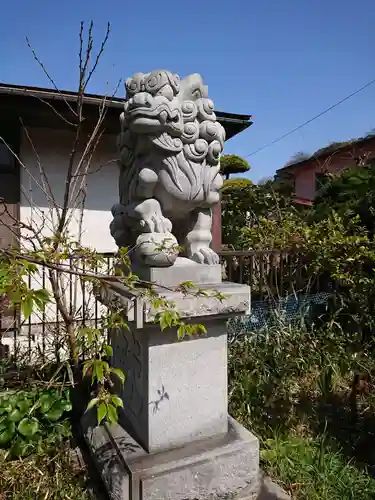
51,149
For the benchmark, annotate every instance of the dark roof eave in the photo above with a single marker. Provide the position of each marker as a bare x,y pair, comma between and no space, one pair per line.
239,121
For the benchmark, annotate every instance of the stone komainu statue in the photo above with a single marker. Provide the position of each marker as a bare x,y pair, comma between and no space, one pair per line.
170,145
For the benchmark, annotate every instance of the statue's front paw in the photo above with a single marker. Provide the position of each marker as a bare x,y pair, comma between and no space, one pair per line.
156,223
150,217
205,255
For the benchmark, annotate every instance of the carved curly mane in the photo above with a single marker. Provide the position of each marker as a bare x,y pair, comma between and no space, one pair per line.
170,127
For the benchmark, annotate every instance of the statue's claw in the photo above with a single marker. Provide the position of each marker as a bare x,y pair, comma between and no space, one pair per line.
156,223
205,255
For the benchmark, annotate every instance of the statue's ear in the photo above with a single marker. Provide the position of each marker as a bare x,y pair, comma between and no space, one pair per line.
135,84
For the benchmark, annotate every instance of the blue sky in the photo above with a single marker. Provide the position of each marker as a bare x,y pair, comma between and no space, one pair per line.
281,61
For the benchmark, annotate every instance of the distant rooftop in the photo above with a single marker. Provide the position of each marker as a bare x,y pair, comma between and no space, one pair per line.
332,148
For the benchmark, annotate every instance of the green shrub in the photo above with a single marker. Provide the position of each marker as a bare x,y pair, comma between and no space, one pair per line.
30,420
269,372
309,397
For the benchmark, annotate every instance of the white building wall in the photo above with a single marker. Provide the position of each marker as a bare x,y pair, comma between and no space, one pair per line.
51,150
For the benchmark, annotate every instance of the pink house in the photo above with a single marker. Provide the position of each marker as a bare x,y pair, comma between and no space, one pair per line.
308,175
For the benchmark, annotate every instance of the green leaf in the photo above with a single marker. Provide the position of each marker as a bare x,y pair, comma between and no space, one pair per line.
188,284
181,331
66,405
120,374
117,401
41,297
101,412
46,401
108,350
86,367
27,306
202,329
7,434
24,405
92,403
166,320
268,455
28,426
16,415
6,408
112,414
98,371
21,448
4,423
55,413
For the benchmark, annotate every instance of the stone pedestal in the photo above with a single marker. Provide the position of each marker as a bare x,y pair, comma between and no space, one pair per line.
175,391
222,467
174,439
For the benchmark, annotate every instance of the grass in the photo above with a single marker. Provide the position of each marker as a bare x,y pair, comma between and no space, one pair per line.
310,470
44,476
309,397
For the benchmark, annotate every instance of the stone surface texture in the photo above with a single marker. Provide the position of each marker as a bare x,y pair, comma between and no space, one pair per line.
207,469
271,491
236,301
169,148
175,391
139,311
183,270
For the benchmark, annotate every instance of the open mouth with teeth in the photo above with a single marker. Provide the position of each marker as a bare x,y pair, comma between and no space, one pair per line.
161,115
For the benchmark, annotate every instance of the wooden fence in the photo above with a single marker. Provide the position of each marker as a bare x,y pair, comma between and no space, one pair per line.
272,274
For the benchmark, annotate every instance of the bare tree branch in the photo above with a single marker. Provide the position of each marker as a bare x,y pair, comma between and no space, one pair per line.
47,74
71,124
84,63
98,56
102,165
42,172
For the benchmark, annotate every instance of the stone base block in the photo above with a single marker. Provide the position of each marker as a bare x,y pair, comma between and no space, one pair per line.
182,270
225,466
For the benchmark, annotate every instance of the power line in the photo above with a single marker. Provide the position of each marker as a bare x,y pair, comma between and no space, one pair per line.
310,120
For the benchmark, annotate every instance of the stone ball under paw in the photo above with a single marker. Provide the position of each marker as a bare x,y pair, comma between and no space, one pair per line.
157,249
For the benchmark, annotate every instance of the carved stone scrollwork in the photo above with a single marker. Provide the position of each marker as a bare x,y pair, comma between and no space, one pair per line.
169,149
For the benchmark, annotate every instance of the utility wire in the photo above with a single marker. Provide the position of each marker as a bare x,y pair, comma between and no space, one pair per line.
310,120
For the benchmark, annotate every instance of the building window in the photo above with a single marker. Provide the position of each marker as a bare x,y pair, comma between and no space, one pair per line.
321,180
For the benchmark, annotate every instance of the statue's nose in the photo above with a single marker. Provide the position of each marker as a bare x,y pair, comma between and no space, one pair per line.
144,99
140,100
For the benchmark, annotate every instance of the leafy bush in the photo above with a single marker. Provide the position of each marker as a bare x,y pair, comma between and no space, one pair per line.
277,374
233,164
308,395
350,193
245,207
29,420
